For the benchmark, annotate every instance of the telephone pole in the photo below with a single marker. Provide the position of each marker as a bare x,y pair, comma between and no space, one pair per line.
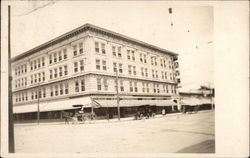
11,123
117,95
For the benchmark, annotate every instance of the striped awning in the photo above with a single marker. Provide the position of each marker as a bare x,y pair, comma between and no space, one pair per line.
54,105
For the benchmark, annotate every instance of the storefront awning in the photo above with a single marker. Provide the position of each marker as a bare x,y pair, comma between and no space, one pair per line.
131,102
54,105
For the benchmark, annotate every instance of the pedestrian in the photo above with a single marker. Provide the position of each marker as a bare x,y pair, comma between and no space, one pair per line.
163,112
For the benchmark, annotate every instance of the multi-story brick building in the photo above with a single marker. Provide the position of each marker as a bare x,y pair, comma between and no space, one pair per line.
84,66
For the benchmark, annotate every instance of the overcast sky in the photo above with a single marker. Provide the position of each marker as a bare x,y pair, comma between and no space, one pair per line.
191,35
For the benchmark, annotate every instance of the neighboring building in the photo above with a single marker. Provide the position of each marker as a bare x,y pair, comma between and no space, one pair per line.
80,67
194,101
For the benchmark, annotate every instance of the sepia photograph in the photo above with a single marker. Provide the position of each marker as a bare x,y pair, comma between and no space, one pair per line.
117,77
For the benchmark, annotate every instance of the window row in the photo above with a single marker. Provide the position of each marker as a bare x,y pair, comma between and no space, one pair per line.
36,64
80,85
101,64
100,47
58,72
59,89
36,78
21,69
22,82
58,56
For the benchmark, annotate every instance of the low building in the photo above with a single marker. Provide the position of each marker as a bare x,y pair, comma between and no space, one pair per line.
91,66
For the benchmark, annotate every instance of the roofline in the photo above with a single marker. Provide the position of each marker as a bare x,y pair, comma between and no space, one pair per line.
83,28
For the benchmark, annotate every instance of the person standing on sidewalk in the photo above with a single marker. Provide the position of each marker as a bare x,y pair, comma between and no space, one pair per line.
163,112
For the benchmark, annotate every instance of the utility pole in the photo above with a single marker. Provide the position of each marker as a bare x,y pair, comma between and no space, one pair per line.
117,95
11,123
38,103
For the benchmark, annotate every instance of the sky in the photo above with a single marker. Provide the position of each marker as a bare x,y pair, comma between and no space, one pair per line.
191,36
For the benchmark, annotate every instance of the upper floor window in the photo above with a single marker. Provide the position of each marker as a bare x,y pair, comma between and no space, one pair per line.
119,52
74,50
134,70
145,58
136,88
146,72
59,56
121,86
105,83
103,48
128,54
115,67
66,86
104,65
81,65
80,48
55,57
75,67
50,59
133,55
97,47
120,68
76,86
99,85
114,51
65,53
131,86
60,71
129,69
65,70
82,85
43,63
141,60
97,62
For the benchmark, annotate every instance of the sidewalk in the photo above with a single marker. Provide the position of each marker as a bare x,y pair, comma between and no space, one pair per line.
114,120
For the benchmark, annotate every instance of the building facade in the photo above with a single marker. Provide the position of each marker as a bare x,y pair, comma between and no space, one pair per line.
86,65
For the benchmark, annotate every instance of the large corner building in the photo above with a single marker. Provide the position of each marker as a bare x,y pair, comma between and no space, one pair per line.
83,67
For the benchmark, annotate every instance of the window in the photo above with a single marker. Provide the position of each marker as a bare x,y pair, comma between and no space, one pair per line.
103,48
167,88
156,73
55,57
99,85
161,62
119,52
155,61
154,88
120,68
80,48
35,64
60,56
51,91
158,89
61,89
164,63
152,60
166,75
60,71
143,87
133,55
129,69
130,86
81,65
44,92
25,67
22,82
128,54
98,66
142,71
82,85
18,82
56,90
170,76
136,89
50,59
115,67
66,86
31,79
39,77
50,74
105,83
97,47
35,78
64,53
15,71
35,95
43,76
164,88
147,87
65,70
74,50
43,63
104,65
134,70
32,95
146,72
39,64
141,60
76,86
153,73
75,67
121,86
114,51
55,73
